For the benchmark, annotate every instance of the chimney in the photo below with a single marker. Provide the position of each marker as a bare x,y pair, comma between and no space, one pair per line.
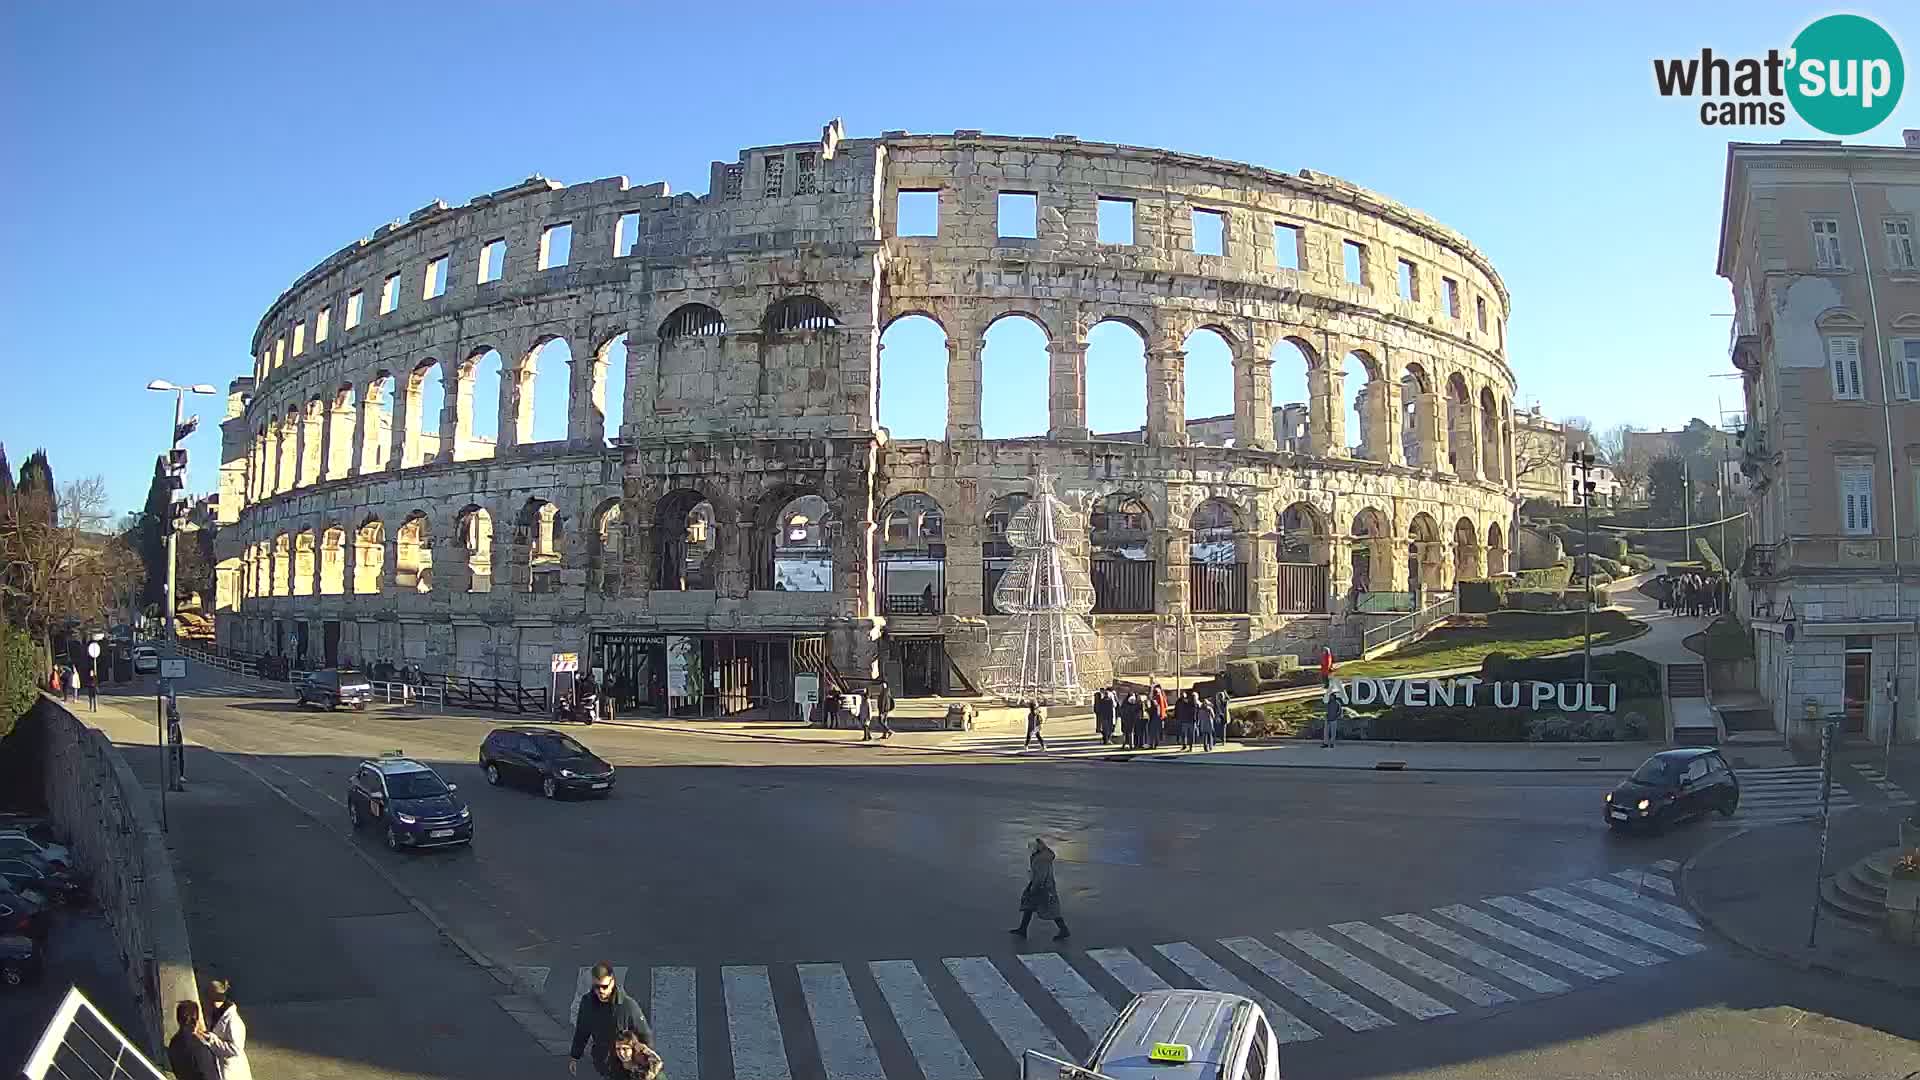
1912,137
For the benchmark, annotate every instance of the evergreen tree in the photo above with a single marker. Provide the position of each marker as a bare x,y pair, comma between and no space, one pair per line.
153,537
6,474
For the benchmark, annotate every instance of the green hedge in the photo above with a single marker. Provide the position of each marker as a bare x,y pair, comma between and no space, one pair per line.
1259,674
1553,578
1637,676
19,661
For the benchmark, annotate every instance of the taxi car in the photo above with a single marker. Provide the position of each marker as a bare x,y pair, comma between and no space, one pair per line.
408,802
1188,1035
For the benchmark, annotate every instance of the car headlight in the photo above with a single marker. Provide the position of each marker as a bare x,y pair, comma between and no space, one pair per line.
1644,803
566,774
1608,797
465,813
404,819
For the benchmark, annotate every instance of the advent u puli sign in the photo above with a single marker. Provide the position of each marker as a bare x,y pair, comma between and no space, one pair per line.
1469,691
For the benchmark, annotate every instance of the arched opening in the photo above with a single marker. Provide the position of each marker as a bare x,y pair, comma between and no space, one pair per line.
376,424
413,555
913,378
1208,388
1292,395
799,314
1426,554
426,401
1417,437
606,557
341,416
912,559
1466,551
333,561
537,546
1496,550
795,544
996,554
1368,569
303,559
693,320
542,402
1014,388
1306,558
1366,420
313,426
610,387
1461,453
479,419
282,565
1117,381
683,542
1120,536
1491,465
689,361
476,536
369,557
1216,559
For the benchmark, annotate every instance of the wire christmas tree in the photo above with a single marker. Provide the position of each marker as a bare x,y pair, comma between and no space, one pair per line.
1046,652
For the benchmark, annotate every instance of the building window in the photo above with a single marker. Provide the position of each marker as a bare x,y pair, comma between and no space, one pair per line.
436,279
917,213
1906,367
626,233
1900,243
1209,232
1856,499
1286,246
776,177
390,293
1115,221
1019,213
1354,255
556,245
299,337
730,181
1843,363
1409,280
805,177
322,324
1826,243
493,260
356,302
280,351
1450,296
1480,312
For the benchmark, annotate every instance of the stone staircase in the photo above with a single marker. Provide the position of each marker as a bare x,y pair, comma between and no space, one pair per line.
1687,680
1858,894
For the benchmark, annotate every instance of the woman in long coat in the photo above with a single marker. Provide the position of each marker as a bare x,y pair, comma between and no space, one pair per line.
227,1033
1041,896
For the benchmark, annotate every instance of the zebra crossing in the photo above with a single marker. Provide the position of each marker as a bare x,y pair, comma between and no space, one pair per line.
1787,793
972,1017
1880,782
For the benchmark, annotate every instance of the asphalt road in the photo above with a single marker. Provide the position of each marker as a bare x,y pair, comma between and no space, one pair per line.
728,877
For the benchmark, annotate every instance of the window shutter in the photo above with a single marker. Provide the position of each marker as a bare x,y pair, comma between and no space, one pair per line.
1856,496
1844,353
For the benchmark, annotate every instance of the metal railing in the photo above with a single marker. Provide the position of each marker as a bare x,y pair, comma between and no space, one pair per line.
1123,586
1410,625
408,693
1383,601
1302,589
224,663
1217,588
898,597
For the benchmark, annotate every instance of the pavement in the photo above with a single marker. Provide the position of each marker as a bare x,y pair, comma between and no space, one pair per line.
80,951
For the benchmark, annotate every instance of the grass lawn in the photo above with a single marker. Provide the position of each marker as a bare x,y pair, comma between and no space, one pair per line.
1467,640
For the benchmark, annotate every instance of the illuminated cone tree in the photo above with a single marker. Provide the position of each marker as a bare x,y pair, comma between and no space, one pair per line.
1046,651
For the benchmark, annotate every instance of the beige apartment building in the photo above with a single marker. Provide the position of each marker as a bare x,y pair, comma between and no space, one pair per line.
1817,241
1540,466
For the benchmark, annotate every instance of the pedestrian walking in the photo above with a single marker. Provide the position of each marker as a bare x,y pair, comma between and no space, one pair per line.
1330,726
866,716
606,1012
188,1053
226,1032
886,710
1103,714
176,741
1034,719
53,679
633,1060
1041,896
1203,719
93,692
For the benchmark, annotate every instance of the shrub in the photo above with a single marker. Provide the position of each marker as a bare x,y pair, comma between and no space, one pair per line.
1553,578
1243,677
1482,595
1637,562
19,661
1616,549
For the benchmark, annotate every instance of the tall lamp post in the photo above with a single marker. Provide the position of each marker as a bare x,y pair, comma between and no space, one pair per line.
1582,463
176,468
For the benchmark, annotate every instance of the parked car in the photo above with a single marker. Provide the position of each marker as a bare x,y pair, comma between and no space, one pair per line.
34,825
27,873
334,688
21,842
1187,1035
409,802
23,912
550,760
21,961
146,660
1671,786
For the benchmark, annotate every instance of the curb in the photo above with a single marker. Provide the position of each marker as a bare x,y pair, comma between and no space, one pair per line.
1770,952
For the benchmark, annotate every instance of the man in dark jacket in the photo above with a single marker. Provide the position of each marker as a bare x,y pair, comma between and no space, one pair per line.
605,1011
189,1054
1103,714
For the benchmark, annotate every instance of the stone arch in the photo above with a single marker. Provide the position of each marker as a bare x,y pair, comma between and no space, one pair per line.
1015,386
1426,553
1218,554
1371,553
1209,388
1496,550
341,420
1466,551
1463,453
605,409
537,401
1294,366
915,355
376,422
607,548
793,538
474,526
420,425
304,557
911,557
1419,417
692,320
538,546
1121,540
333,561
1117,379
1492,467
996,554
799,314
281,564
1304,541
369,557
685,541
482,419
1368,418
313,424
413,554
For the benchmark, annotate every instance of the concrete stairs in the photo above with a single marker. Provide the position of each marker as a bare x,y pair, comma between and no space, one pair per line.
1691,718
1687,680
1858,894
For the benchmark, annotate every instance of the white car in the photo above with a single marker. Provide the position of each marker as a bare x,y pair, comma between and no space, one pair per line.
17,842
146,660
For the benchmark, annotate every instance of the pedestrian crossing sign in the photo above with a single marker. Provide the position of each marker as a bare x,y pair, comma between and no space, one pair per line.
1170,1053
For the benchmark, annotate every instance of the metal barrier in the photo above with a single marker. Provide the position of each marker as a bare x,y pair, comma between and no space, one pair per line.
408,693
1407,626
224,663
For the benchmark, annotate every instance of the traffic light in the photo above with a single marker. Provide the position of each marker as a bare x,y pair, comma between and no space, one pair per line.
177,468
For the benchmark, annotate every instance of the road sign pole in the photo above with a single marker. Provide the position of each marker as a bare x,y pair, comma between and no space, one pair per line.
160,744
1826,821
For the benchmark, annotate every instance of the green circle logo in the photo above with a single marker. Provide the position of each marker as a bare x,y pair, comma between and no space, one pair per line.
1846,75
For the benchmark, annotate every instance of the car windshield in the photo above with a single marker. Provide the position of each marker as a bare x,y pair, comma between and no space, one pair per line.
1657,771
350,677
414,785
559,746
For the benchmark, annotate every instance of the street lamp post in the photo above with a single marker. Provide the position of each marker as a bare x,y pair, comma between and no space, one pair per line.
1583,492
174,435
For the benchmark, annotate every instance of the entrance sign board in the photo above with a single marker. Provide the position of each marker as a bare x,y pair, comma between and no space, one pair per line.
1532,695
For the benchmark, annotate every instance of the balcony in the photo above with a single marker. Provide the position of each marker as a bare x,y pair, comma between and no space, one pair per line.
1826,555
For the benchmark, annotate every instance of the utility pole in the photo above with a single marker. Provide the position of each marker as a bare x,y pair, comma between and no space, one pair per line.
1583,491
1686,509
176,469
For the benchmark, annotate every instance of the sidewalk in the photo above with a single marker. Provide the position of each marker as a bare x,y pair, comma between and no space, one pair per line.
1756,888
339,974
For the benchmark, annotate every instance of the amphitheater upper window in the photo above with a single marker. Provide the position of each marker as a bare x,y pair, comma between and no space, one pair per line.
1450,296
626,233
1115,220
280,350
299,337
1019,214
1480,312
776,176
805,177
436,280
1209,232
322,324
1409,276
556,245
1286,246
1354,254
356,300
917,213
730,181
390,293
693,320
493,260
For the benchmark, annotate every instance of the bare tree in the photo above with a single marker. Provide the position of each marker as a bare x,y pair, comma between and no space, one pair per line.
1537,456
1613,442
58,561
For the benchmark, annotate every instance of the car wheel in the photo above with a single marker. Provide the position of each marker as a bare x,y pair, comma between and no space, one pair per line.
393,839
353,814
11,975
1728,806
493,774
550,789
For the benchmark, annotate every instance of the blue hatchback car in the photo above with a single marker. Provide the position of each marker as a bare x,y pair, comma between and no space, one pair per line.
409,802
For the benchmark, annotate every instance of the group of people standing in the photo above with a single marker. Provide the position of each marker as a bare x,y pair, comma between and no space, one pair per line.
211,1043
65,681
1142,718
1697,594
835,710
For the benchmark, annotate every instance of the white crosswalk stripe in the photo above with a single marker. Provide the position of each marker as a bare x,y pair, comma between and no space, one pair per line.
1311,984
1787,793
1667,865
1880,781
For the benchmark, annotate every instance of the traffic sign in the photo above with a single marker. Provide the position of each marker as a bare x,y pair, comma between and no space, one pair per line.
173,669
93,649
565,662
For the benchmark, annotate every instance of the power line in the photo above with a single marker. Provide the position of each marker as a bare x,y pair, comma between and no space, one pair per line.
1670,528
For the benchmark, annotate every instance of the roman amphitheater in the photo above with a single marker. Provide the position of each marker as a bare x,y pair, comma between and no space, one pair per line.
756,511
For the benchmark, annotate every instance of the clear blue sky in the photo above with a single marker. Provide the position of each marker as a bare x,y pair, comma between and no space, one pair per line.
172,167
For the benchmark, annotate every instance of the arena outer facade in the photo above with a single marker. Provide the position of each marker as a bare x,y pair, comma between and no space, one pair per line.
358,527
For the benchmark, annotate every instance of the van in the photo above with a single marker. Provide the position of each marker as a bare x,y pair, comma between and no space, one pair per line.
1183,1035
